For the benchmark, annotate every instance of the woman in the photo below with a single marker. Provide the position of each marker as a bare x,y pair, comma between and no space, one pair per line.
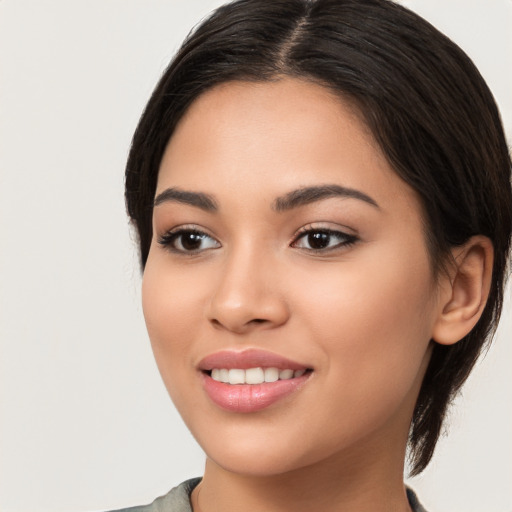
321,191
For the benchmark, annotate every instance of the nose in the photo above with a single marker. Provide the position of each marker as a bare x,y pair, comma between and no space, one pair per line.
247,296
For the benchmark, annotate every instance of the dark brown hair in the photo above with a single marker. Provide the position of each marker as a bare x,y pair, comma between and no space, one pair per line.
425,102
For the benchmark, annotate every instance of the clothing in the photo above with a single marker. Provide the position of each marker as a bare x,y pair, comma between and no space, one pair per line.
178,500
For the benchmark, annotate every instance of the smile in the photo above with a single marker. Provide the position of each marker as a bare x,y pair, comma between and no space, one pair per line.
250,380
253,375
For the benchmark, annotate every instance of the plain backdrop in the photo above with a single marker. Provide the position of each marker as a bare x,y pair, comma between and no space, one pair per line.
85,422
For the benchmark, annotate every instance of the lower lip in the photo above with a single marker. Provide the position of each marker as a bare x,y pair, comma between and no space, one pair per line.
250,397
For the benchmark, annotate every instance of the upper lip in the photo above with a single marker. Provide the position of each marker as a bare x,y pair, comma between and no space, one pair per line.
249,358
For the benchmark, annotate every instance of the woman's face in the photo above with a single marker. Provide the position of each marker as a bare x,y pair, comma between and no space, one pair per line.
284,244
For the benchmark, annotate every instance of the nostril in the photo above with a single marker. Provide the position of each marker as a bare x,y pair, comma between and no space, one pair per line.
239,328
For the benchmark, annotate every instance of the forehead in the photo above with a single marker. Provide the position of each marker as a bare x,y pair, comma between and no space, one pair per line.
274,136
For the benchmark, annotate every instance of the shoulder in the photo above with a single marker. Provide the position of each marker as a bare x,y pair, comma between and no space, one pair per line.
176,500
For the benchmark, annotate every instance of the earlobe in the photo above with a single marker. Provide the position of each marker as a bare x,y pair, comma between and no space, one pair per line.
465,292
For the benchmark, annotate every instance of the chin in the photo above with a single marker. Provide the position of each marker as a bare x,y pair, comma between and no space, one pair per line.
259,454
257,464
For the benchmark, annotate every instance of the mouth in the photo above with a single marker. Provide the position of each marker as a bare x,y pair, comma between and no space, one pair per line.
251,380
253,376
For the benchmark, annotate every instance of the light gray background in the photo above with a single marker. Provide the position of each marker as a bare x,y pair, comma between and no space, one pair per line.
85,423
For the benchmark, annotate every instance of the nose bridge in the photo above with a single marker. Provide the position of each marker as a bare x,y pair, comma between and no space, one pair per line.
246,292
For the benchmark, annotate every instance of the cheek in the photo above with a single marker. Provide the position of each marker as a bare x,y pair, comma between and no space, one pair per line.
373,325
172,303
172,299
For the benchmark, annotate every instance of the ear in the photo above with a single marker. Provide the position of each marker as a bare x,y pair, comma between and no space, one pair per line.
464,291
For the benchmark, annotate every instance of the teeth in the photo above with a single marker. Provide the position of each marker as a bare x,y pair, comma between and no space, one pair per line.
236,376
271,374
285,374
253,375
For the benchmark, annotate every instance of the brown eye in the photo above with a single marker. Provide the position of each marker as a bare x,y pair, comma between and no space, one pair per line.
323,240
188,241
319,240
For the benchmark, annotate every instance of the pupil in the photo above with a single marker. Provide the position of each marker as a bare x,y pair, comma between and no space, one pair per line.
319,240
191,241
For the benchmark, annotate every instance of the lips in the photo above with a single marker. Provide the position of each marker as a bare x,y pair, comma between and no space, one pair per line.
250,380
250,358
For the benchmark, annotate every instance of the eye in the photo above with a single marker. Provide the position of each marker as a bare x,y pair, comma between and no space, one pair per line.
184,240
321,239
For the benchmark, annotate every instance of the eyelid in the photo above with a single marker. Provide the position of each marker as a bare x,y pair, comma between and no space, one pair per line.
325,226
340,231
167,238
188,227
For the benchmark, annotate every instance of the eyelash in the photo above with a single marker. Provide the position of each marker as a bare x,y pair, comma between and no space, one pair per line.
169,239
347,239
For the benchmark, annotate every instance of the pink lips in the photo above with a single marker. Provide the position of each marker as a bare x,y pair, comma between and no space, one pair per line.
246,398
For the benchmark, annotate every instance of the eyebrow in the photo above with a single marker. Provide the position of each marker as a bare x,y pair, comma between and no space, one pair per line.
307,195
289,201
197,199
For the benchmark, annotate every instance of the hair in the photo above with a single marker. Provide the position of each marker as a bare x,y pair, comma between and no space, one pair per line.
422,98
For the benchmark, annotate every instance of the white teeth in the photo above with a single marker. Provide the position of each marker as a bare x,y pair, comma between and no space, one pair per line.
253,375
236,376
285,374
271,374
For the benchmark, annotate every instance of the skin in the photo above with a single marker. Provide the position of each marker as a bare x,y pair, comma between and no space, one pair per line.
362,315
